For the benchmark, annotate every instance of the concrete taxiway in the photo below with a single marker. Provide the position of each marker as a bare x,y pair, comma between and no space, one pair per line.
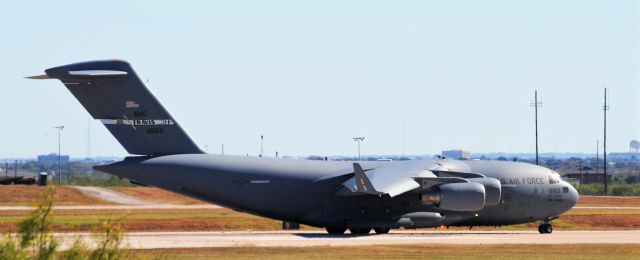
150,240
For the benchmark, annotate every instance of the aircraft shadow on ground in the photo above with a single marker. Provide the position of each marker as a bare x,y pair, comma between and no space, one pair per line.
325,235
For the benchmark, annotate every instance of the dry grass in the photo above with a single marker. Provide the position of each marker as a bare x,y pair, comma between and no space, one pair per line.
158,195
11,195
149,220
565,251
227,220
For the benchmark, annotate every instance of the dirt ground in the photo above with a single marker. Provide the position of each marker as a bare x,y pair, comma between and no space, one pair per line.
604,201
425,251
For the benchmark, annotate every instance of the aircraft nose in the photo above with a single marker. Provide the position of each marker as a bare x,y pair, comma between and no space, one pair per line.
573,197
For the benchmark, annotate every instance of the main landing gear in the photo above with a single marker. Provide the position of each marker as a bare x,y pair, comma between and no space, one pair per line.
336,230
382,230
545,228
357,231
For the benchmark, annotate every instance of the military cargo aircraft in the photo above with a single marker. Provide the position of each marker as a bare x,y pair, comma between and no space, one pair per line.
337,195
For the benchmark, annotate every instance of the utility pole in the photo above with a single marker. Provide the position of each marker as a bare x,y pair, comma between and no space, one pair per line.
404,140
15,169
604,144
597,157
358,140
59,158
222,150
536,104
580,171
261,145
6,168
88,138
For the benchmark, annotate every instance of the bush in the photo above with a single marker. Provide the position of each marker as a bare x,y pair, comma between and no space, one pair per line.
34,239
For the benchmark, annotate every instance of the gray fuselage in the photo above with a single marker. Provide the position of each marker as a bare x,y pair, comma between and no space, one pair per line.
304,191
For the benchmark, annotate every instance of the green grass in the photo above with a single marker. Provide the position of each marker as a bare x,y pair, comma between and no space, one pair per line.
615,189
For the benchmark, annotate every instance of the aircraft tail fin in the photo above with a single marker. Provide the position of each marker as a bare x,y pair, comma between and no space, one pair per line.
112,92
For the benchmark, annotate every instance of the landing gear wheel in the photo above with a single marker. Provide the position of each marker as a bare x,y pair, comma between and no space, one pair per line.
545,228
336,230
382,230
360,231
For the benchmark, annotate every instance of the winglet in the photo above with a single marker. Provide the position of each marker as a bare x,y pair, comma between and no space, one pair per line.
362,181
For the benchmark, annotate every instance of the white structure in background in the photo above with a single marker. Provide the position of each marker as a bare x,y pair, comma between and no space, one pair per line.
457,154
634,146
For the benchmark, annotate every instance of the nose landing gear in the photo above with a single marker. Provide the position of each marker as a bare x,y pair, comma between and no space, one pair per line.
545,228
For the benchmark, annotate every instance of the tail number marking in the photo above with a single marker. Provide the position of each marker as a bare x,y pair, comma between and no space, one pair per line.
154,130
137,122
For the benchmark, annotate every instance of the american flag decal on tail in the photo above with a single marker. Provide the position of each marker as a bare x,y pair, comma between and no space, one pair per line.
131,104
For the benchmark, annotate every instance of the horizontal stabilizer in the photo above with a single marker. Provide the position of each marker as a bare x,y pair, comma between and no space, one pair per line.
43,76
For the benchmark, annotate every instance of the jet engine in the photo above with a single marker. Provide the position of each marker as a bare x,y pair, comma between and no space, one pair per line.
492,190
467,196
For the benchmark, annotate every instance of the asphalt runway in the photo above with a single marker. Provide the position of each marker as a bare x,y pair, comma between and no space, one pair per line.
151,240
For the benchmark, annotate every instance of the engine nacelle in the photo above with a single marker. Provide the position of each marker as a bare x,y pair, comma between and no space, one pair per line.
492,190
466,196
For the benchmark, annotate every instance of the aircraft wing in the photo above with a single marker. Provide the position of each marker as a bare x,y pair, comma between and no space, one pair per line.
392,178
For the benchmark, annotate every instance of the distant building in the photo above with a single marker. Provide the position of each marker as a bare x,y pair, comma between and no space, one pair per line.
457,154
581,174
53,158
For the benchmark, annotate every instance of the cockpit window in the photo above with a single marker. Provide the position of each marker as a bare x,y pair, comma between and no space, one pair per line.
554,178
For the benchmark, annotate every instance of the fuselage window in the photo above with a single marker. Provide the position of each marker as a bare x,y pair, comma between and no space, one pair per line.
565,189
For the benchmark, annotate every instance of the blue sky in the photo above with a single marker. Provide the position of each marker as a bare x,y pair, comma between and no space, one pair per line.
311,75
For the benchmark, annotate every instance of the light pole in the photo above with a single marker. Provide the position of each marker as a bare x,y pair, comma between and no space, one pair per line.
261,146
59,165
358,140
604,144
